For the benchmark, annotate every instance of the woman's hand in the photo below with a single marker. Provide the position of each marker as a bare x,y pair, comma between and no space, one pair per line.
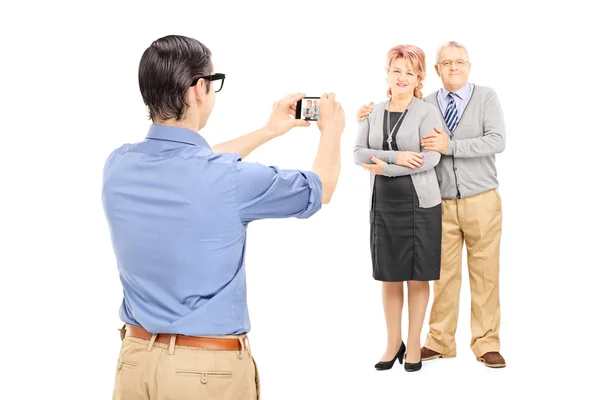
376,168
410,159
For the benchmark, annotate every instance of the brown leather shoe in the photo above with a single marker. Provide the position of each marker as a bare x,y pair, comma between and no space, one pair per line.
492,359
428,354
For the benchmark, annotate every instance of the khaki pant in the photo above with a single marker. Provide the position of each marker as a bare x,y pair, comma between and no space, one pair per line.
476,220
155,371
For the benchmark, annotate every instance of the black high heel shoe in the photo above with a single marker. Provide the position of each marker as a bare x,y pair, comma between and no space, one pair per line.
412,367
383,365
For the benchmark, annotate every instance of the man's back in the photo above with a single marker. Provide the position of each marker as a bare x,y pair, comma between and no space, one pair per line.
178,214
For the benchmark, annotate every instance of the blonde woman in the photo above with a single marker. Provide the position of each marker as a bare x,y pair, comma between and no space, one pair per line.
406,219
308,110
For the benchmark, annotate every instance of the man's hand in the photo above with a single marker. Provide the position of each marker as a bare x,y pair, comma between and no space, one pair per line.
364,111
437,141
283,115
332,118
376,168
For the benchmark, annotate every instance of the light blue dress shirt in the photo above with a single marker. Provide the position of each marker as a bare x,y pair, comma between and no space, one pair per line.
177,214
463,95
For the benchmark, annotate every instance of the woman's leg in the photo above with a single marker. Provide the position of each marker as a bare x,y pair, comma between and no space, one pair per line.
418,297
393,300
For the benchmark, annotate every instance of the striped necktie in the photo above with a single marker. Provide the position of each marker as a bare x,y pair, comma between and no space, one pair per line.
451,115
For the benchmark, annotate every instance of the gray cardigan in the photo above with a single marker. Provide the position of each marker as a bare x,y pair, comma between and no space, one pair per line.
469,166
420,119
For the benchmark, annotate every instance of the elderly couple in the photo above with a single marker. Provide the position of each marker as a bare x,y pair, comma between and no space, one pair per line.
434,186
178,209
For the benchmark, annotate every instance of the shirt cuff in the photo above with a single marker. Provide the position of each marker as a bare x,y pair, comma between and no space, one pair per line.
386,170
315,197
450,148
393,157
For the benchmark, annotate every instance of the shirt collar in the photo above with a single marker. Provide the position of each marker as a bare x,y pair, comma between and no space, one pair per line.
461,93
175,134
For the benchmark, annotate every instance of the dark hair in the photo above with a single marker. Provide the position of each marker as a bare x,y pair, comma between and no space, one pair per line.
167,69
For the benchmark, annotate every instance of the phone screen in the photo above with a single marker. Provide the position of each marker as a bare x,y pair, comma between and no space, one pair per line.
308,109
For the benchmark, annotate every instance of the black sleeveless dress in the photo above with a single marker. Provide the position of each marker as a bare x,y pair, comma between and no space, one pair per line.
406,239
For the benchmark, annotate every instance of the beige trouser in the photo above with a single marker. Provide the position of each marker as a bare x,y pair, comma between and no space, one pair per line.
155,371
478,221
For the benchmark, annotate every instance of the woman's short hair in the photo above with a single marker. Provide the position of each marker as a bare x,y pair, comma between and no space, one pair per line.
415,57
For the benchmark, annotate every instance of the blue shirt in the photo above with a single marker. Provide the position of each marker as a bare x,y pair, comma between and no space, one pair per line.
461,98
177,214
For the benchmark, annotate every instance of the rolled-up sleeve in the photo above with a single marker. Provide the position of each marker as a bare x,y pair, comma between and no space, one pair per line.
269,192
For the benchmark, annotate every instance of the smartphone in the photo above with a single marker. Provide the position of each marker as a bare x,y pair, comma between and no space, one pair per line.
308,108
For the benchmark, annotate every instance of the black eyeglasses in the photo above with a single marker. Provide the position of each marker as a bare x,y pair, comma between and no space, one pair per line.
217,79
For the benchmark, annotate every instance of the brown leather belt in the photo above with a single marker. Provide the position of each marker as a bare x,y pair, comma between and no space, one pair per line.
188,341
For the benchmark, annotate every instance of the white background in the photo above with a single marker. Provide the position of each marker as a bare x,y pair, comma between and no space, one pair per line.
70,96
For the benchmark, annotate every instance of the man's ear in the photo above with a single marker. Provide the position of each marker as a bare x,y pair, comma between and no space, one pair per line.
437,69
200,90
